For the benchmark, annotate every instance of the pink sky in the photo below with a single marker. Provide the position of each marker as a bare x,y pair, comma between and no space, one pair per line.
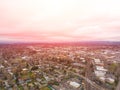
59,20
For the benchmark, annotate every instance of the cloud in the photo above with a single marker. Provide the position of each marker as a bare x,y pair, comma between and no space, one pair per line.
61,20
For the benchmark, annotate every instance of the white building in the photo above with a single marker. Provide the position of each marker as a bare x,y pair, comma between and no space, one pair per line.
101,68
110,80
100,73
102,79
97,61
74,84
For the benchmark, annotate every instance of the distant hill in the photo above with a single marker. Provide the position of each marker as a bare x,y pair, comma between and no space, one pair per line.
69,43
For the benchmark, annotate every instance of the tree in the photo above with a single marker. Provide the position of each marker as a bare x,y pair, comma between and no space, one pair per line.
112,68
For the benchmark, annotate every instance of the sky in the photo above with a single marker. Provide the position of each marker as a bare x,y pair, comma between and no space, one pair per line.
59,20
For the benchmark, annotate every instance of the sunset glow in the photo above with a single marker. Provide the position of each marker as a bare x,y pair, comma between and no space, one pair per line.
59,20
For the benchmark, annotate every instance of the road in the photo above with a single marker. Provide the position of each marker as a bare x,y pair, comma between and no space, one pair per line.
97,87
88,75
118,86
93,84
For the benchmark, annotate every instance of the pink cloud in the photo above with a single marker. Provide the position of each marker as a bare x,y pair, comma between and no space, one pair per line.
41,21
